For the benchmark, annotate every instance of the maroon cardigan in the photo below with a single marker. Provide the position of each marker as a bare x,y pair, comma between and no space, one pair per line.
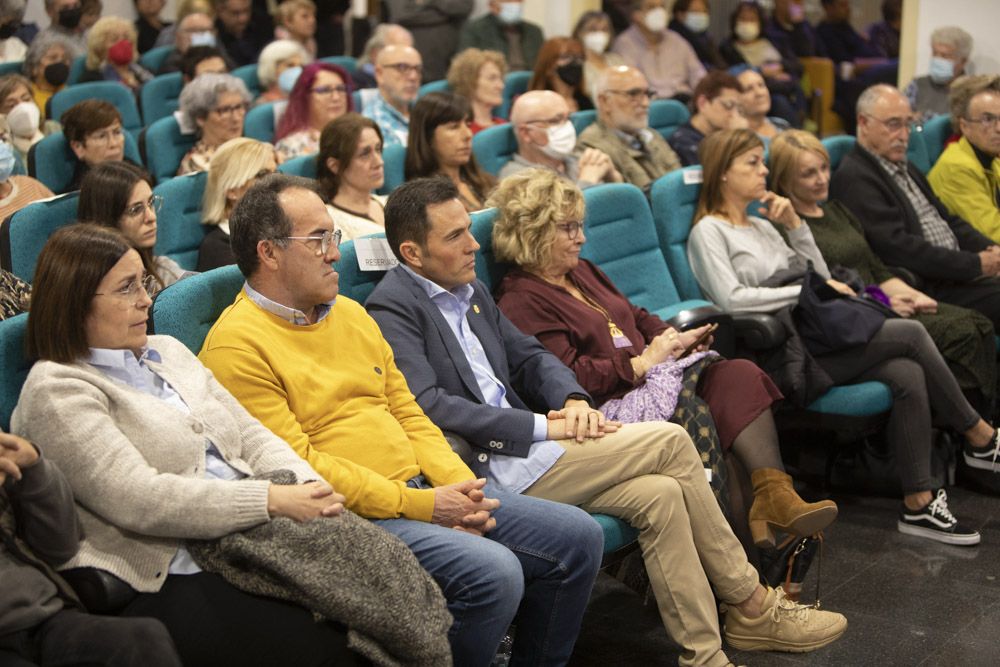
577,333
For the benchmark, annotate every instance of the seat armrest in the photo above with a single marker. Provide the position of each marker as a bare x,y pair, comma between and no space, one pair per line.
725,335
758,331
908,277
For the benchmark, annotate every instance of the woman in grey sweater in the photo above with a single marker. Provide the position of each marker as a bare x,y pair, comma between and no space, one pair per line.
152,446
733,255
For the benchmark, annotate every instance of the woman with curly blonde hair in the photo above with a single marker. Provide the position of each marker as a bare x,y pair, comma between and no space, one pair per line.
112,54
478,76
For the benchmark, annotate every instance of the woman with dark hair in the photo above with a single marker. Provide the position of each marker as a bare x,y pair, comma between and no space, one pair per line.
120,195
593,29
441,143
349,168
163,463
93,129
559,68
737,258
691,20
321,94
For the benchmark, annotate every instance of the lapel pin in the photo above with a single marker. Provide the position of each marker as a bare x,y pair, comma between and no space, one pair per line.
475,308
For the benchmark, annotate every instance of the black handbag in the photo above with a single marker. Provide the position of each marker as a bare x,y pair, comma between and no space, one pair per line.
787,564
829,321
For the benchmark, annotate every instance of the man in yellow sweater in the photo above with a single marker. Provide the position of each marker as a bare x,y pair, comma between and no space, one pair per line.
314,368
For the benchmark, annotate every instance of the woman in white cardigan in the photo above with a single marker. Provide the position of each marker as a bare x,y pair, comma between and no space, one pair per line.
152,446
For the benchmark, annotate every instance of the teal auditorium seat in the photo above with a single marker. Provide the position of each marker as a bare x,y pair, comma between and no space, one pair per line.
261,121
76,70
347,62
160,96
14,366
393,156
187,309
26,231
163,146
355,283
115,93
303,165
514,84
154,58
665,116
582,119
248,73
916,151
11,68
439,86
838,147
179,229
936,133
494,147
52,161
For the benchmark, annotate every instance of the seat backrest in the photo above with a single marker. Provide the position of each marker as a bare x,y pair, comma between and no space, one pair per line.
673,203
514,84
916,151
838,147
494,147
347,62
11,68
355,283
487,268
179,231
249,75
582,119
52,161
665,116
259,122
154,58
25,233
160,96
118,95
394,157
165,147
622,241
14,366
439,86
187,309
76,70
936,133
303,165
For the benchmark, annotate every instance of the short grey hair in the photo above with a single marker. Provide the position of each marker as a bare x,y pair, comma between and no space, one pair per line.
259,216
964,89
202,95
377,41
871,96
954,37
274,53
12,9
40,45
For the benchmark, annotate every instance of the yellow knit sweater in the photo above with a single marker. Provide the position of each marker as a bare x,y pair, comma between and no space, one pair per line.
333,392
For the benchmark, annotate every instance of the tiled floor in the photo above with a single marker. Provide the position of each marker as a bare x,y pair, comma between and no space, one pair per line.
908,601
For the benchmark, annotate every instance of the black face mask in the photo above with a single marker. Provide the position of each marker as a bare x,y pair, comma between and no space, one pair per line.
56,74
69,17
570,73
7,30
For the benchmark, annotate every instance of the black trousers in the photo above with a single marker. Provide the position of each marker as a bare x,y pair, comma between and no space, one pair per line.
981,295
71,637
215,624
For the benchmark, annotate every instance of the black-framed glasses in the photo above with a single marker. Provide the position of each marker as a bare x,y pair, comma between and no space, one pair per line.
330,238
635,94
232,109
131,293
325,91
153,204
986,120
571,228
406,68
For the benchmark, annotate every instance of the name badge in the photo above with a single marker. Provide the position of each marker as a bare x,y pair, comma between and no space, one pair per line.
692,176
621,341
374,254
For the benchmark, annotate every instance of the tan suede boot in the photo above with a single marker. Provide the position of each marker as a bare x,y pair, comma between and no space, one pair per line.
776,506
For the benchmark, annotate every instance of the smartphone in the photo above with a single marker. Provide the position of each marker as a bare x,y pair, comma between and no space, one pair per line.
699,340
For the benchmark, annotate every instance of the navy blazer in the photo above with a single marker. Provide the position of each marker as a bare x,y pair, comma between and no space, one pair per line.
891,224
440,377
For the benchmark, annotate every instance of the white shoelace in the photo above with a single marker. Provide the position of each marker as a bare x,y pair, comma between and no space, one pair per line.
939,507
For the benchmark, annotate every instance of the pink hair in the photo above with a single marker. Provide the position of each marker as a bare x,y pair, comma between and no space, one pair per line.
297,114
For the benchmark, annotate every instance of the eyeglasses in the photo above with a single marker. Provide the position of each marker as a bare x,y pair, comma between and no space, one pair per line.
324,91
894,124
131,293
727,105
635,94
330,238
232,109
406,68
986,120
571,228
106,136
153,204
548,122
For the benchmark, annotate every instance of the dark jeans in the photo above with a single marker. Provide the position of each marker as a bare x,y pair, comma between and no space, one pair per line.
214,623
981,295
71,637
903,356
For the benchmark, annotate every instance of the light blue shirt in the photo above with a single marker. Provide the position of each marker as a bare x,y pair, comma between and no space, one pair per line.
512,473
395,127
293,315
121,365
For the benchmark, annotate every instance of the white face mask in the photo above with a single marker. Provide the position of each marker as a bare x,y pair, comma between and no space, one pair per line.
596,41
656,19
24,120
696,21
510,13
562,141
747,30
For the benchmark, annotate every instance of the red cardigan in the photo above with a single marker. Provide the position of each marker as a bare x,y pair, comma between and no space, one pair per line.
577,333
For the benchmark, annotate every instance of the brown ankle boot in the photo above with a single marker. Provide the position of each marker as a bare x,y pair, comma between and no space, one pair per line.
777,506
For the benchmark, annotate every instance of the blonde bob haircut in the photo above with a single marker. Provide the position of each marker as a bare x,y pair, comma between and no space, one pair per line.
529,204
232,166
716,154
785,151
463,74
288,8
97,39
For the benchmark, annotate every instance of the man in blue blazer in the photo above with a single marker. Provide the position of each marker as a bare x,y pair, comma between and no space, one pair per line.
533,431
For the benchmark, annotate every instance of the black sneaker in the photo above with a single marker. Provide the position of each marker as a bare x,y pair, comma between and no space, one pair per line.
984,458
935,522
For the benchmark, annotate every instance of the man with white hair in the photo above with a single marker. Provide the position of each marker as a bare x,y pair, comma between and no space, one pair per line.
640,154
397,71
546,139
950,49
904,221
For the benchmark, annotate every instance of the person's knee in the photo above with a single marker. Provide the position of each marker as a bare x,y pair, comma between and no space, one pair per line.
910,332
499,580
904,376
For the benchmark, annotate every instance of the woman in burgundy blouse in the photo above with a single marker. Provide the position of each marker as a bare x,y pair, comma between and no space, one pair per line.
627,357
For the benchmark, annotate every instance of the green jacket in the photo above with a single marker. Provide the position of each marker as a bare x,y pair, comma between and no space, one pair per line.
640,168
967,189
487,33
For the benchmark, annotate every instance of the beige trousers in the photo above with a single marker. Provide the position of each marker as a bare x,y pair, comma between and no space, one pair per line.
651,476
